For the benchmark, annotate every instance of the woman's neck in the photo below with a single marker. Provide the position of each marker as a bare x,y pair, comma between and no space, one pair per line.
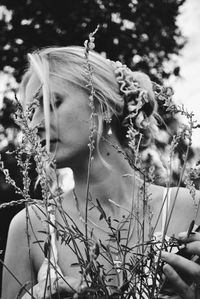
113,180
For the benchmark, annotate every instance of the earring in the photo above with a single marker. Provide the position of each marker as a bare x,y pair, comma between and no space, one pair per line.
110,131
107,118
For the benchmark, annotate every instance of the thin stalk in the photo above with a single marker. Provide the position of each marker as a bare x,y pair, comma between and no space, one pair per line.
29,247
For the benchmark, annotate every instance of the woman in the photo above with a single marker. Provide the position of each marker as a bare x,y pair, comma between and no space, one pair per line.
89,110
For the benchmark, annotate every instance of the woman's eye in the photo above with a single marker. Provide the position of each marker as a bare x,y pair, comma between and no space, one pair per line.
58,101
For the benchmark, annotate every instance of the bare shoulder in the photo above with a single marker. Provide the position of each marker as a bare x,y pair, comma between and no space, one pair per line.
30,216
21,230
187,202
181,196
184,206
18,256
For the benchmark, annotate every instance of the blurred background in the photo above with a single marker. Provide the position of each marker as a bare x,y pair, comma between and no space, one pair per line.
186,86
158,37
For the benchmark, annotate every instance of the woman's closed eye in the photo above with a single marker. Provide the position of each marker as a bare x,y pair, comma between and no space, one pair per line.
58,100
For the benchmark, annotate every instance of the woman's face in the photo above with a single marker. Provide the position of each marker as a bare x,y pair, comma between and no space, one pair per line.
69,121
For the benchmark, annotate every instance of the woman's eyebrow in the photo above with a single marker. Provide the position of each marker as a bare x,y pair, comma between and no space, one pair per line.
59,94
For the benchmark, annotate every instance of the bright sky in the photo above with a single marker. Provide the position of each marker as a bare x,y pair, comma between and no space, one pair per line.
187,88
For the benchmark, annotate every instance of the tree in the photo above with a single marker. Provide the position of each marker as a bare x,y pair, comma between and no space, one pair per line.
141,33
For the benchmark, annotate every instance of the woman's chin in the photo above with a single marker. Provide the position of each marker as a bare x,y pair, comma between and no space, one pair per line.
61,162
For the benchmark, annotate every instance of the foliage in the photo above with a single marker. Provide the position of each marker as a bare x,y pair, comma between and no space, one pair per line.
141,33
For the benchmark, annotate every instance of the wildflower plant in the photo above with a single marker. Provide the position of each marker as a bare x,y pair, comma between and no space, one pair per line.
89,45
137,269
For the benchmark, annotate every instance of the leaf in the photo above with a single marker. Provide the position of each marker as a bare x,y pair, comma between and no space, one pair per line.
116,220
75,265
190,228
51,223
118,236
43,232
109,220
101,217
38,241
99,207
102,245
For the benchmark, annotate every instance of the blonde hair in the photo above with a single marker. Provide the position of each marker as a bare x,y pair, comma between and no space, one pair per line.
68,63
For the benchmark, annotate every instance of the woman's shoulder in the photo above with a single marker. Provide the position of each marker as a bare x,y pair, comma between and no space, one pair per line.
188,200
182,202
31,216
181,194
185,197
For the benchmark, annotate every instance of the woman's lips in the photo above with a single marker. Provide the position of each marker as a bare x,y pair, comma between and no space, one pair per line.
52,141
